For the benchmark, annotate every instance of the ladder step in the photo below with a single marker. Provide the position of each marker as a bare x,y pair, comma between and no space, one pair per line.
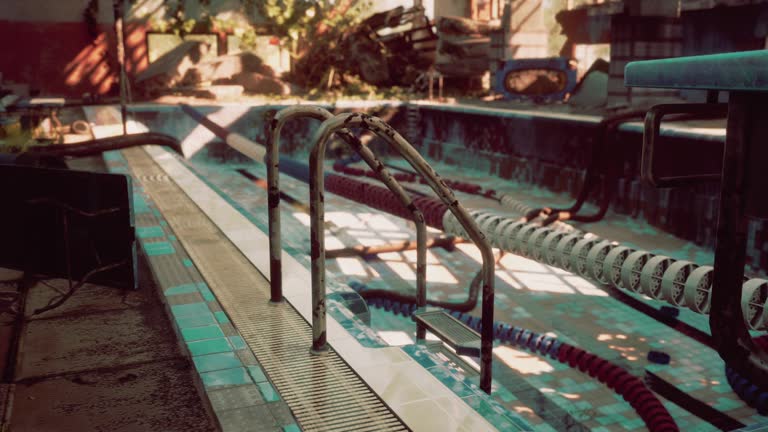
451,331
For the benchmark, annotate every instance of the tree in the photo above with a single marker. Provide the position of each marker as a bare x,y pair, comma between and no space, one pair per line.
311,29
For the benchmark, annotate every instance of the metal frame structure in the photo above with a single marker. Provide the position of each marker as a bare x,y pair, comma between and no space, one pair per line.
744,75
317,236
651,138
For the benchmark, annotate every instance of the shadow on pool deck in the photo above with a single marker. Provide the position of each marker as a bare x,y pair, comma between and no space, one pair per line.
106,360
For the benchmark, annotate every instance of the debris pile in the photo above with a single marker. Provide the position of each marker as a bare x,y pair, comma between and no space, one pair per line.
463,47
388,48
184,69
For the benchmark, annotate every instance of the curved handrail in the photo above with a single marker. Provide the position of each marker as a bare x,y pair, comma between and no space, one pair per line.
100,145
273,181
317,236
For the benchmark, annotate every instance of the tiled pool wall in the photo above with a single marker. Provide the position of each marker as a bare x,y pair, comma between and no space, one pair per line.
554,154
539,150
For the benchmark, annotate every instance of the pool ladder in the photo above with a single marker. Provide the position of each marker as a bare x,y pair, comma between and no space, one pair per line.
450,330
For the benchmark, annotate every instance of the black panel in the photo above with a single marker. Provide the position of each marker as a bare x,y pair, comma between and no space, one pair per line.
33,205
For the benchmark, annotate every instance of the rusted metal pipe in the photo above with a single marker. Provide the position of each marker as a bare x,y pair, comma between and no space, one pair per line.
443,242
650,153
603,160
317,236
275,246
119,12
93,147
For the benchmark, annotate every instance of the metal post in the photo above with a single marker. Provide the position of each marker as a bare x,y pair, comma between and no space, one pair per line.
117,6
317,234
740,193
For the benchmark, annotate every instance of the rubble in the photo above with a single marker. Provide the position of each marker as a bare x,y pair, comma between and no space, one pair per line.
227,76
169,70
388,48
228,66
463,47
254,82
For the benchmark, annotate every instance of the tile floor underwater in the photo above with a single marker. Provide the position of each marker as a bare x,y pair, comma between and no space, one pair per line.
538,297
529,294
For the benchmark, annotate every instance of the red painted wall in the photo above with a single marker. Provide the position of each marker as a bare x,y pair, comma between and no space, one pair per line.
62,59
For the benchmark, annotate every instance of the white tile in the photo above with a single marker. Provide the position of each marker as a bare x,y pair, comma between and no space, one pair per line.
426,381
392,384
359,356
465,416
335,331
426,416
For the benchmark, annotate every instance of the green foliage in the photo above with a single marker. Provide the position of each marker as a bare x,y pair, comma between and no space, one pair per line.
293,20
246,33
356,89
286,17
176,21
311,29
16,141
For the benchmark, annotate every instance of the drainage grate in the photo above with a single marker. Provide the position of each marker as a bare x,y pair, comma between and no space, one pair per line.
322,391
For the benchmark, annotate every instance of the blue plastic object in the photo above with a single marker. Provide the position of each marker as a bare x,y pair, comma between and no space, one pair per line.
670,311
505,77
658,357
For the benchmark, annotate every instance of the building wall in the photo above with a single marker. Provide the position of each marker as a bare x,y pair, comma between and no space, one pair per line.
711,31
51,11
636,38
48,45
452,8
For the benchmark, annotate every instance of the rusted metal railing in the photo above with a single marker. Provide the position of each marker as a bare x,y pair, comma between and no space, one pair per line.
275,243
317,236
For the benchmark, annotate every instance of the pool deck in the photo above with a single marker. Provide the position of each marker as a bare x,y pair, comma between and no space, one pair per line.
409,390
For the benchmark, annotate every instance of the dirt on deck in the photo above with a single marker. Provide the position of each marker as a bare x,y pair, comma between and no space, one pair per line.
106,360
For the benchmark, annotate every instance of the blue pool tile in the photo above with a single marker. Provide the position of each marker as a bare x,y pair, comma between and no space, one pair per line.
218,361
150,232
187,262
140,204
190,309
172,237
236,376
221,317
257,374
237,342
195,320
269,393
291,428
112,156
159,248
181,289
199,333
206,292
209,346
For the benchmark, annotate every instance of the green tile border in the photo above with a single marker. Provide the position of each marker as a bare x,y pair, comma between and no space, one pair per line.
490,409
202,325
